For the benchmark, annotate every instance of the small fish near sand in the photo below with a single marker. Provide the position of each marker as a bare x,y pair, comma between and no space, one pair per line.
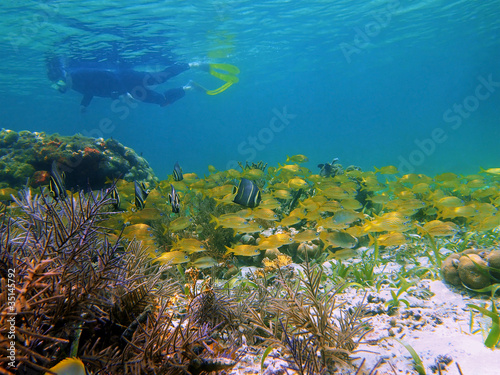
141,193
247,193
56,183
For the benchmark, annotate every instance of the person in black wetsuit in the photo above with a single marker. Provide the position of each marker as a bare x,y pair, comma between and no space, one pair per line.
112,82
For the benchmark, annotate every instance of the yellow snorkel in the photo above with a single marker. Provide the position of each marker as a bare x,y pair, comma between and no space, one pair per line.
225,72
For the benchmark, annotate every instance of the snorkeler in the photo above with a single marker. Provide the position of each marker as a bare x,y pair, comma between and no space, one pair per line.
113,82
107,82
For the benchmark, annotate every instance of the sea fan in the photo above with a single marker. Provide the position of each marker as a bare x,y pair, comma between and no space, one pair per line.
71,283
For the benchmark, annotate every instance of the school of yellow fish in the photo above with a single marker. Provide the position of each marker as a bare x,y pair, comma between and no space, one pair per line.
334,212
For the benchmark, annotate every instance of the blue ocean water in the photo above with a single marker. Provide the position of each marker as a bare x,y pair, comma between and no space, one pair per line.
415,84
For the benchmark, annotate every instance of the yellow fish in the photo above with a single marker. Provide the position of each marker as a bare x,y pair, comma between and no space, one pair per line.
5,194
173,257
476,183
389,222
292,168
69,366
494,171
411,178
219,191
338,239
313,215
190,177
297,159
311,204
390,169
488,223
350,204
270,203
484,209
298,212
330,206
297,183
264,214
230,221
282,194
198,184
336,192
146,214
140,231
233,173
189,245
290,220
444,177
227,199
438,228
356,231
306,235
421,188
347,216
389,239
405,206
251,227
204,262
243,250
180,223
453,212
253,174
342,254
484,193
450,201
274,241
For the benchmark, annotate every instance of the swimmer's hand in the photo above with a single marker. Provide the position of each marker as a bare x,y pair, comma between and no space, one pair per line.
192,85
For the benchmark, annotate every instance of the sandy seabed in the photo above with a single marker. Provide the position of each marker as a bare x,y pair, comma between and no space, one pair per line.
436,326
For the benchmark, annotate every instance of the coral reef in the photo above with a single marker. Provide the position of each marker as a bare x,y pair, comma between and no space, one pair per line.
85,161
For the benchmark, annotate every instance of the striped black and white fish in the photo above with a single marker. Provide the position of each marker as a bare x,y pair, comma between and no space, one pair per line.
113,194
178,176
247,194
56,183
174,200
141,193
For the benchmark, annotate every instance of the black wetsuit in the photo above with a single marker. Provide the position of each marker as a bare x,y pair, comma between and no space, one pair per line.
111,83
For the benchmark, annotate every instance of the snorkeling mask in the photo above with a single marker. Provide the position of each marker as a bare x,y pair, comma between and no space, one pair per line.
64,83
60,86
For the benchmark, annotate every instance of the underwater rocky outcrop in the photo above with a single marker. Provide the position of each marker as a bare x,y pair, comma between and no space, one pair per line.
473,268
85,161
